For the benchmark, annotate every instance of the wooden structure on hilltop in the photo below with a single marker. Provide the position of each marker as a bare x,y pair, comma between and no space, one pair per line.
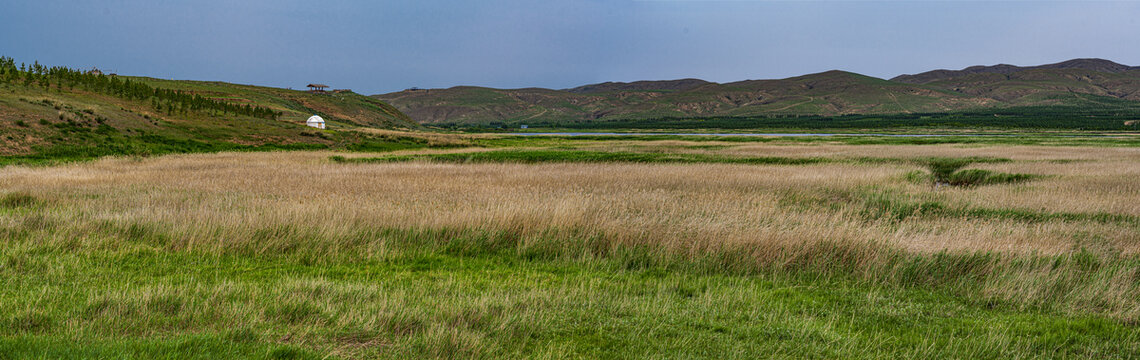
317,88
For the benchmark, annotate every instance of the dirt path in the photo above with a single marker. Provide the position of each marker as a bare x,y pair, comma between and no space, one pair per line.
896,100
810,99
544,110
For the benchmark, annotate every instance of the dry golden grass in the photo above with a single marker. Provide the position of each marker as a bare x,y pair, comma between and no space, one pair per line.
1021,153
432,139
215,201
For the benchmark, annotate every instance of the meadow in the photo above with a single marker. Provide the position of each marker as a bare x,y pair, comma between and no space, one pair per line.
472,246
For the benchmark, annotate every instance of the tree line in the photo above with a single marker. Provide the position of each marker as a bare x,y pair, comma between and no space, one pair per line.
1114,116
170,101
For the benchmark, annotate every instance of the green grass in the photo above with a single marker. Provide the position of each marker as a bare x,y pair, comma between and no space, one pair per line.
18,200
89,145
487,299
998,138
213,346
943,168
114,144
1084,113
887,204
384,146
976,177
948,171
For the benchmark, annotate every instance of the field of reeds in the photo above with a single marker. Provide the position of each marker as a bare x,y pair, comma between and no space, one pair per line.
588,249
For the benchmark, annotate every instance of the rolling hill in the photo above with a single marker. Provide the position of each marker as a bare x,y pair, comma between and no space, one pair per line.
1094,65
1080,83
57,112
832,92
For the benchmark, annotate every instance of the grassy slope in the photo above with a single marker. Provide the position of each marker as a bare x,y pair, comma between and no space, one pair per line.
347,108
1047,86
74,123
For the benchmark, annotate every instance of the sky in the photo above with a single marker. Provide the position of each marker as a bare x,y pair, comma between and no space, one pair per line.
383,46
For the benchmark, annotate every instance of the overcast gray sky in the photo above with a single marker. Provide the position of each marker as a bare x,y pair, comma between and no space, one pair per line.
382,46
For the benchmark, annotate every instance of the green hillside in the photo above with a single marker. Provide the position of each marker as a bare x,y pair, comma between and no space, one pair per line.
1094,65
833,92
1045,86
1068,89
63,113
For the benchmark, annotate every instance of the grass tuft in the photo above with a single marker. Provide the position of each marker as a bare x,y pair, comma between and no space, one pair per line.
976,177
949,171
18,200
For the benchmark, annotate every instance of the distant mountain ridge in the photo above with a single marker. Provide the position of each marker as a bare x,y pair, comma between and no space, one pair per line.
659,85
1098,65
1081,82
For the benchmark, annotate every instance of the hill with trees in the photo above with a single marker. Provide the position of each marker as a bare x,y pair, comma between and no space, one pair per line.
60,112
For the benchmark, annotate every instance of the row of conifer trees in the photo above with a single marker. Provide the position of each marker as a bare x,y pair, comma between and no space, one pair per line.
163,99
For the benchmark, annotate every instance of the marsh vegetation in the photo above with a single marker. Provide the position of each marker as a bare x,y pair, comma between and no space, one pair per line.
573,249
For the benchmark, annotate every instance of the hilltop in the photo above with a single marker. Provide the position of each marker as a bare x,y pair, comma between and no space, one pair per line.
58,112
1075,85
663,85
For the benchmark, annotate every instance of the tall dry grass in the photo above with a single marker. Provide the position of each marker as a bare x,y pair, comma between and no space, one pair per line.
826,217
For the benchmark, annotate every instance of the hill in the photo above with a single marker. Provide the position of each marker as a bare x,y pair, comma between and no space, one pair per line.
59,112
1094,65
1075,86
833,92
1041,86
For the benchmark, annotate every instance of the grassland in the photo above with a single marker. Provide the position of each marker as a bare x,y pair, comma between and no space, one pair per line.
482,246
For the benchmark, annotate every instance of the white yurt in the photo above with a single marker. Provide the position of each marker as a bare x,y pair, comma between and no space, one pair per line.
315,121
